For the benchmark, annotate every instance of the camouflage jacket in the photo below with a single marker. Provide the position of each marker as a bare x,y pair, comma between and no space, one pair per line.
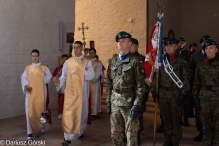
206,76
180,69
125,81
142,59
194,60
186,55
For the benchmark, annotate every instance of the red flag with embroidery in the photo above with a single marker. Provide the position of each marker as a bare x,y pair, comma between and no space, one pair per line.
150,60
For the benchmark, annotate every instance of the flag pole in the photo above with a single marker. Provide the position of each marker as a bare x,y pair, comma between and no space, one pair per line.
158,64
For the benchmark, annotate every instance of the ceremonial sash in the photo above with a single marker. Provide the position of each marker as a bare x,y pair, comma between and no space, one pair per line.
36,96
71,119
169,70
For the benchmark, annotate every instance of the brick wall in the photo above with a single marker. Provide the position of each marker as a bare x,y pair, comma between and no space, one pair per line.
27,25
105,18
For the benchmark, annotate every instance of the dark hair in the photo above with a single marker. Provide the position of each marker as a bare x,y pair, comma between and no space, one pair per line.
79,42
97,56
64,55
93,50
35,51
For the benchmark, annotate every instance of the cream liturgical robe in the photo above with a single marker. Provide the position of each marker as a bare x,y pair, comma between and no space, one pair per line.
36,76
95,87
76,75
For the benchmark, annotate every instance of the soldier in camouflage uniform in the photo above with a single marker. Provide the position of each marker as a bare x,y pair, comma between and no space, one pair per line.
184,53
161,129
206,93
198,56
134,50
188,108
193,47
125,81
171,97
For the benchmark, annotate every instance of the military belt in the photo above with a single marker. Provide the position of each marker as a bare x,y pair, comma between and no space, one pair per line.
210,88
124,90
170,88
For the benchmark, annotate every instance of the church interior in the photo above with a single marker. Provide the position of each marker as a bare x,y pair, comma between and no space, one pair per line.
51,26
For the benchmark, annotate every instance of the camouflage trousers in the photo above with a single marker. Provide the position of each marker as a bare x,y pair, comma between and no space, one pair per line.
141,124
210,121
171,118
198,120
124,130
188,108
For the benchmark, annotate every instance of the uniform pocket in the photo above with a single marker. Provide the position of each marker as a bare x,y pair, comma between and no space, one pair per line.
127,74
113,71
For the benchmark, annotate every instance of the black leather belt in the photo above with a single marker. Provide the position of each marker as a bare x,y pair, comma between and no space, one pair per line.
124,90
210,88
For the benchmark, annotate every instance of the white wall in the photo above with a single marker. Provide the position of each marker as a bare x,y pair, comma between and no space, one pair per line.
26,25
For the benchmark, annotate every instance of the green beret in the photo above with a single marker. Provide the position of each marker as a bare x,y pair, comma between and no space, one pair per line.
164,40
193,44
171,41
181,40
205,38
134,41
209,43
122,35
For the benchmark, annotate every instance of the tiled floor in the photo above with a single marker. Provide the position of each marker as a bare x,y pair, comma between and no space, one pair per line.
97,134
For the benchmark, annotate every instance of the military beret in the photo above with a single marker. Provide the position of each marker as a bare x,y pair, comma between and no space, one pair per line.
209,43
164,40
134,41
205,38
193,44
122,35
181,40
171,41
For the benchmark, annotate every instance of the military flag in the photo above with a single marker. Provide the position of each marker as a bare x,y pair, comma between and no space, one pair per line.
155,50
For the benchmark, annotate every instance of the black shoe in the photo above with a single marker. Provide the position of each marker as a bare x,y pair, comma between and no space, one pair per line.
175,144
139,140
81,137
192,115
66,143
186,123
30,137
168,143
181,122
198,138
160,129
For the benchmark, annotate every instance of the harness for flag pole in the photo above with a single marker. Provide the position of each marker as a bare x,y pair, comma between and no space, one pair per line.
158,63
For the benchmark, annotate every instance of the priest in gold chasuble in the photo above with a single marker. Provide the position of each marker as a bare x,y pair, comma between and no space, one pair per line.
76,75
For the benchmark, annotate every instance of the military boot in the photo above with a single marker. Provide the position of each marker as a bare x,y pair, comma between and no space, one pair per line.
198,138
160,129
175,144
186,122
139,140
168,143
